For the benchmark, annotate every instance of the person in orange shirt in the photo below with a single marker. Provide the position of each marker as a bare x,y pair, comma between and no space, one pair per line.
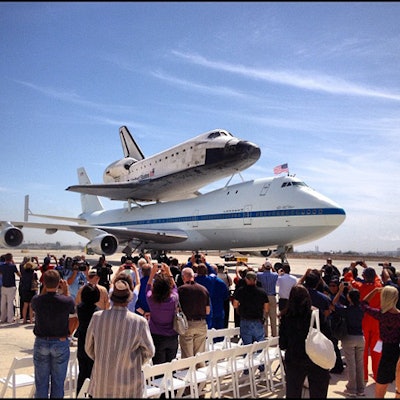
370,325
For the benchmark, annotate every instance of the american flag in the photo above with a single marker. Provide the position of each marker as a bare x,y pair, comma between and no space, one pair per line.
281,168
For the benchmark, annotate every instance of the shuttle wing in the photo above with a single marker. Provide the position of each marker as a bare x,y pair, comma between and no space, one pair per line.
165,188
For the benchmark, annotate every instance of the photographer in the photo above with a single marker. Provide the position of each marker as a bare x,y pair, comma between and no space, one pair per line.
200,258
76,278
104,271
370,326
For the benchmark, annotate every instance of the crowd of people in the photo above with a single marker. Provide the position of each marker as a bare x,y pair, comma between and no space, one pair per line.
123,317
369,305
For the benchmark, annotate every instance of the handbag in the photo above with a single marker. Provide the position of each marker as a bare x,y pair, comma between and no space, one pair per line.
35,283
180,323
318,347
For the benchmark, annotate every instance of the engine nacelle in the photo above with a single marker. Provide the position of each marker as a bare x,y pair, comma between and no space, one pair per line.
260,253
11,237
103,244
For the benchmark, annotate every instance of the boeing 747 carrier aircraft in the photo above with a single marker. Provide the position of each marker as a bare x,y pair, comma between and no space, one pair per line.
266,214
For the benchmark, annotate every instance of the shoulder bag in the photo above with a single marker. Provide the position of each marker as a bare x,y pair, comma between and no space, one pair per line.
318,347
35,283
180,324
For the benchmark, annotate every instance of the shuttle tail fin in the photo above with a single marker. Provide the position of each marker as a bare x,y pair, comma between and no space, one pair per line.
129,146
89,202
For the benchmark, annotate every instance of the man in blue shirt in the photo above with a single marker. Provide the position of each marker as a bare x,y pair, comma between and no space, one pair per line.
268,277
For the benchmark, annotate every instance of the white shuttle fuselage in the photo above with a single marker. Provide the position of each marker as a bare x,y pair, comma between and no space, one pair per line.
176,173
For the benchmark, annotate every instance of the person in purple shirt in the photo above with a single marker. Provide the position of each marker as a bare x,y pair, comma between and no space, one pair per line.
162,298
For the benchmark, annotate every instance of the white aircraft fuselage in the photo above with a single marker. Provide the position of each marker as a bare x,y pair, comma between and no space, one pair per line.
258,214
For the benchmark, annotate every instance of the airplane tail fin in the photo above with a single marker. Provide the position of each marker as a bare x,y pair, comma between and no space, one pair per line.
89,202
129,146
27,211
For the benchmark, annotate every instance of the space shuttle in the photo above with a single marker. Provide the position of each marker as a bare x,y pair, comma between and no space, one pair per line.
173,174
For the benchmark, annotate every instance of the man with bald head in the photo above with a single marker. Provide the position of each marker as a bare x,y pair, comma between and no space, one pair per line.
195,302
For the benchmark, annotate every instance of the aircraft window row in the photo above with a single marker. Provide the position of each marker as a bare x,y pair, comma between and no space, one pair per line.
286,213
293,183
231,211
254,214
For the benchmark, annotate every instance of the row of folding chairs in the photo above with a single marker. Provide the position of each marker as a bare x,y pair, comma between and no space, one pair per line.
21,375
236,372
223,338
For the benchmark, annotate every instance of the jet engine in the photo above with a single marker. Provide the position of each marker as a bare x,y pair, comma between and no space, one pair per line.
11,237
103,244
260,253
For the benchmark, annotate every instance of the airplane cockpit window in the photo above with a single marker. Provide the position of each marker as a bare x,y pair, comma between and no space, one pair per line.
216,134
293,183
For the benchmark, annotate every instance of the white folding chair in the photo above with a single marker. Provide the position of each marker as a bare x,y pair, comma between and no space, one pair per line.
242,371
155,378
223,373
71,379
15,379
182,377
274,366
259,368
228,336
83,391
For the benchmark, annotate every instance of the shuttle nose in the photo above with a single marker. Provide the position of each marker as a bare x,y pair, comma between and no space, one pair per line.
244,149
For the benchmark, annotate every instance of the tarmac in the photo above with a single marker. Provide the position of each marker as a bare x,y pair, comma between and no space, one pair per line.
17,339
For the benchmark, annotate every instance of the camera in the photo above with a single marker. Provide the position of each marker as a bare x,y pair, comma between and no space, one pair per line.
197,257
82,267
383,264
345,283
127,266
359,262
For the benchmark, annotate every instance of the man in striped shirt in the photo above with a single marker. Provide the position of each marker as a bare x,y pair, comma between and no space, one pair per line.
119,342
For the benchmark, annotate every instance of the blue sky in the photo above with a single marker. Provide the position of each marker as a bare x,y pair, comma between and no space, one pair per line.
316,85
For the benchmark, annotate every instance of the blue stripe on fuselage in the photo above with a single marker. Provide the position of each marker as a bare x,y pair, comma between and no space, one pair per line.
233,215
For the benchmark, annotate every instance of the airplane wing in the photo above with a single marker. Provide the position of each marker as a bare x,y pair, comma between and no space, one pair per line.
159,189
124,235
